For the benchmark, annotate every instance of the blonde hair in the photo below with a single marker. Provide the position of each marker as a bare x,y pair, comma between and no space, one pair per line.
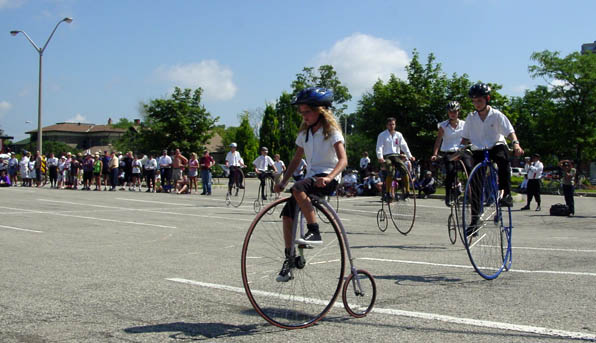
328,119
194,155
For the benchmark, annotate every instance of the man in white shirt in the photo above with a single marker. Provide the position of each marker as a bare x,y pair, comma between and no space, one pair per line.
486,128
534,175
234,161
52,164
390,145
262,164
298,174
165,166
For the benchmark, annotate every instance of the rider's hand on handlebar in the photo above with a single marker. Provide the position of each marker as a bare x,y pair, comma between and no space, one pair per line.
433,158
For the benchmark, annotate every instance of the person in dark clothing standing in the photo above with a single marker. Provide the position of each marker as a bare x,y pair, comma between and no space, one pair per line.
568,181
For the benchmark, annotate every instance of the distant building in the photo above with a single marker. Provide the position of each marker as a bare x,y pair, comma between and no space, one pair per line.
589,47
83,136
2,145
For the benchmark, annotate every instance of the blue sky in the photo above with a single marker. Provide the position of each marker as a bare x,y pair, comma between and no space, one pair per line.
117,54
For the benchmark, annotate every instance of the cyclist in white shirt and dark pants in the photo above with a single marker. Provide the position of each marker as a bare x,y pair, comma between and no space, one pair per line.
262,164
534,170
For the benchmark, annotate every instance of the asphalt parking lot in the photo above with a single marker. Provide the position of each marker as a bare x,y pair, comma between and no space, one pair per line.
78,266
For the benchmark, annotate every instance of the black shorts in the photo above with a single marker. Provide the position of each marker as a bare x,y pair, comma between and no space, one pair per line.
307,186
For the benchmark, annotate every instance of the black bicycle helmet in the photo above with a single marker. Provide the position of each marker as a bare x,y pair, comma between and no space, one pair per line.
479,89
453,106
314,96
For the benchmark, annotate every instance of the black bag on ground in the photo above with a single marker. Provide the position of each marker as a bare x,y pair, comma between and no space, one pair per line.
559,210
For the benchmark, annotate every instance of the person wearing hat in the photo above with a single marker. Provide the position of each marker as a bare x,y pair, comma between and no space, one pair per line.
534,176
262,164
234,161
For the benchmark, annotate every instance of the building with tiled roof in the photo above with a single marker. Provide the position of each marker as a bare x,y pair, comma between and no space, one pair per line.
84,136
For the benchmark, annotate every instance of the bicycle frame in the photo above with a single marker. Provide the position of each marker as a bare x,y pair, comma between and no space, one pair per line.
300,223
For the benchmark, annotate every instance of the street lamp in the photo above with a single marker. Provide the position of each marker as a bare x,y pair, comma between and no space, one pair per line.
40,51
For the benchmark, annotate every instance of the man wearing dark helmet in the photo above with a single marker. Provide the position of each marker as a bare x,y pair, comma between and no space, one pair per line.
486,129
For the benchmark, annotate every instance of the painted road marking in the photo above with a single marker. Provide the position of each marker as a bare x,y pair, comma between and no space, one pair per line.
411,314
555,272
19,229
86,217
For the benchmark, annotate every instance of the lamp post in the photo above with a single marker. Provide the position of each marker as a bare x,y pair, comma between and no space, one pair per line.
40,51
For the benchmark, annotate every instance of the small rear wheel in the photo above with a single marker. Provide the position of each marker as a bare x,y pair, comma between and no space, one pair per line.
382,220
359,293
452,228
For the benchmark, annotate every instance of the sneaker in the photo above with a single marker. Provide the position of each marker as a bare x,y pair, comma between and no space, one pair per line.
538,208
240,186
148,191
264,197
311,237
285,274
525,208
507,201
203,193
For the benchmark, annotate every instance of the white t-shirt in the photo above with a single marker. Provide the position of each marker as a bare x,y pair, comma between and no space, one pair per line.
262,162
151,164
136,166
165,161
279,166
364,162
486,134
300,169
320,152
451,135
395,143
350,179
535,170
234,159
24,166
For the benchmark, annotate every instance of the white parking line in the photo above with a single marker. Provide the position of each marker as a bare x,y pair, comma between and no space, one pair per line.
19,229
92,218
411,314
554,272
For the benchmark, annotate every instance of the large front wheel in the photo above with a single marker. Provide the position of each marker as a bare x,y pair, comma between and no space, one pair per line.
315,277
485,239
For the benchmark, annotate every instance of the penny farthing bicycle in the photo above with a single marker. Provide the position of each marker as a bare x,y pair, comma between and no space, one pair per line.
235,194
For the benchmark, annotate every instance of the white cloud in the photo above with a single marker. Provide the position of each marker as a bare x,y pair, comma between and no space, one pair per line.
5,106
11,3
215,79
78,118
360,60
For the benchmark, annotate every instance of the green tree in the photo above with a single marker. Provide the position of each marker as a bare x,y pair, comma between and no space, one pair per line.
248,144
325,76
269,133
178,122
573,90
289,122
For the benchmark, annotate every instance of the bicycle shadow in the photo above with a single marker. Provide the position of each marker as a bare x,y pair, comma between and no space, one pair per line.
200,331
400,279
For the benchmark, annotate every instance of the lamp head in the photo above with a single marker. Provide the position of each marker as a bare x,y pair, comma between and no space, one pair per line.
14,33
67,19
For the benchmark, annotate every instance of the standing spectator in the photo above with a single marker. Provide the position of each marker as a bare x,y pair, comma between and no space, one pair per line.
234,161
165,165
114,166
13,169
426,186
206,162
97,168
193,171
61,172
67,163
364,163
150,167
137,166
298,174
38,168
127,164
568,182
280,168
534,175
87,171
24,169
179,162
105,171
75,165
32,175
262,164
52,164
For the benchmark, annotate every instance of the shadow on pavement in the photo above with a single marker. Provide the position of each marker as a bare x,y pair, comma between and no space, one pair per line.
199,331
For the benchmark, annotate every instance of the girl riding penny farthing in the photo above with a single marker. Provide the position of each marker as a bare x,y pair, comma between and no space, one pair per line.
311,254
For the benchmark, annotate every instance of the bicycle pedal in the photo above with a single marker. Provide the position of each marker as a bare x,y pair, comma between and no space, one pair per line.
305,246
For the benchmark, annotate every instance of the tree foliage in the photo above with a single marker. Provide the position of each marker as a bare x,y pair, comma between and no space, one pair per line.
180,121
